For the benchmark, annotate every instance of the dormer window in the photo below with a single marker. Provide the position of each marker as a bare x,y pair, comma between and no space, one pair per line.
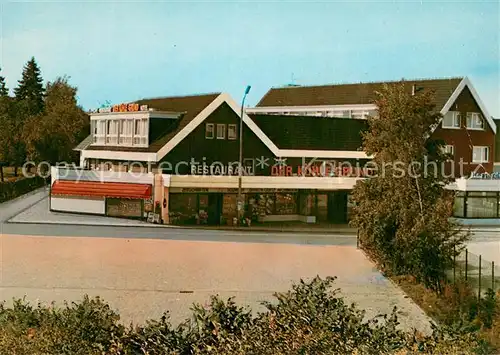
475,121
209,131
452,119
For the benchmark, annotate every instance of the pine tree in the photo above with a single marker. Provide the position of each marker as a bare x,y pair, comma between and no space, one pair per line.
3,88
30,88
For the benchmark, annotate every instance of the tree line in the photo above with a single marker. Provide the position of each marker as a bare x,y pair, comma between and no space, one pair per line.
39,122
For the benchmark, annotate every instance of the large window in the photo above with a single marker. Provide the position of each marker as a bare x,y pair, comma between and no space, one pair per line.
452,119
99,131
475,121
480,154
482,204
286,203
126,132
112,132
140,132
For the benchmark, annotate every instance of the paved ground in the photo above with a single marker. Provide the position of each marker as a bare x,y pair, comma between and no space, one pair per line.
143,278
142,271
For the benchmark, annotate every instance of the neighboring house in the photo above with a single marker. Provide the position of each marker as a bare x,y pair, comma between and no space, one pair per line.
301,153
467,127
496,166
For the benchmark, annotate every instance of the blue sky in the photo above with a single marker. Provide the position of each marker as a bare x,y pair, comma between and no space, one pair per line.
122,51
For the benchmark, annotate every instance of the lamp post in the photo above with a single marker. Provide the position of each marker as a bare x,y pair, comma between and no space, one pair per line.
240,163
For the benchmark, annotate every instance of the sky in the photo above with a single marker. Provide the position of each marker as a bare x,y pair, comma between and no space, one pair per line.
122,51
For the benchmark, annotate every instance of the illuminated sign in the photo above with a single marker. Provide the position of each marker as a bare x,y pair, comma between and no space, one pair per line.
129,108
485,176
326,171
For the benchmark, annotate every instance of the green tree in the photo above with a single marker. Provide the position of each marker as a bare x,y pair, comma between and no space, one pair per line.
63,124
12,120
30,88
4,92
403,213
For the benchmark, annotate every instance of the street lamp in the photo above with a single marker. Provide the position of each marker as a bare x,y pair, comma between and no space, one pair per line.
240,165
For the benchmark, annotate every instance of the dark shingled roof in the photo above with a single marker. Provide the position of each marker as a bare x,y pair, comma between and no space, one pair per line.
351,94
189,106
312,133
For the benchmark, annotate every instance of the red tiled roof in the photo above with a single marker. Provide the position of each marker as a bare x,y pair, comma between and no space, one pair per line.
101,189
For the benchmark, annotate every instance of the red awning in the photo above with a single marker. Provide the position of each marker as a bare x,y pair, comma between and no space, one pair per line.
101,189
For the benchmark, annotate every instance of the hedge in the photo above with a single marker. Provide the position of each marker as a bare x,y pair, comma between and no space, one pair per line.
311,318
12,189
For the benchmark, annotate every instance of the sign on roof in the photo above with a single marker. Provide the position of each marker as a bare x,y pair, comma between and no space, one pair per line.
129,108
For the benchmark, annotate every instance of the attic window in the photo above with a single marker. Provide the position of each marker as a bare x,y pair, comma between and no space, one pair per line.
209,131
231,131
475,120
221,131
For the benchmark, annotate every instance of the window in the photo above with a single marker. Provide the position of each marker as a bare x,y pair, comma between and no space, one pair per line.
346,114
452,119
480,154
99,131
209,131
140,132
475,120
125,131
111,132
449,149
221,131
357,114
231,131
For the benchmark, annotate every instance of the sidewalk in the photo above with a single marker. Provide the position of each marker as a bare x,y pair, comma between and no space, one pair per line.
35,210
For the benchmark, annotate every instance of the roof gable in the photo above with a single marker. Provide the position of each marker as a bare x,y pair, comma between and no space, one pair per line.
352,94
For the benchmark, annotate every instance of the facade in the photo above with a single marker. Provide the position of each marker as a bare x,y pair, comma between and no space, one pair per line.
301,154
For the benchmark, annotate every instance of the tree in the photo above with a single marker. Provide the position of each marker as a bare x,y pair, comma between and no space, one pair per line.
30,88
403,213
4,92
63,125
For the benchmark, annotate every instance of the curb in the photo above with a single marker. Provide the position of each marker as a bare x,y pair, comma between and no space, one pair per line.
227,229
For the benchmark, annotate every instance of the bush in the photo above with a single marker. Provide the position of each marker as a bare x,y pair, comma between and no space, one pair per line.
12,189
309,319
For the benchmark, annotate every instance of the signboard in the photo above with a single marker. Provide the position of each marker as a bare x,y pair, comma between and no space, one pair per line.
485,176
321,171
227,190
121,108
220,169
128,108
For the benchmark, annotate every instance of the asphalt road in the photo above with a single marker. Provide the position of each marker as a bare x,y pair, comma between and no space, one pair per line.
11,209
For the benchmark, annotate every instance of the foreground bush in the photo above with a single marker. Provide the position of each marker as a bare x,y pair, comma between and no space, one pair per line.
309,319
12,189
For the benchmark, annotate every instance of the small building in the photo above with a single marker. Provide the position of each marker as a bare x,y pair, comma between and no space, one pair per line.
176,158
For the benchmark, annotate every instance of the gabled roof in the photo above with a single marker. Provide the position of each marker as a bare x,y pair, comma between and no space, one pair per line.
446,91
352,94
312,133
190,106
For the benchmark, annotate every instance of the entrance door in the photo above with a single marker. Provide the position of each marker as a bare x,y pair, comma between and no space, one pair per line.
214,208
337,207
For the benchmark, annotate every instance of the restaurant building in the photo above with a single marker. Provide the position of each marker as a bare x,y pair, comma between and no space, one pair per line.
301,154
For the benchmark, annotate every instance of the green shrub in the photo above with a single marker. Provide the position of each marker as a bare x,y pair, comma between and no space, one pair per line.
311,318
12,189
